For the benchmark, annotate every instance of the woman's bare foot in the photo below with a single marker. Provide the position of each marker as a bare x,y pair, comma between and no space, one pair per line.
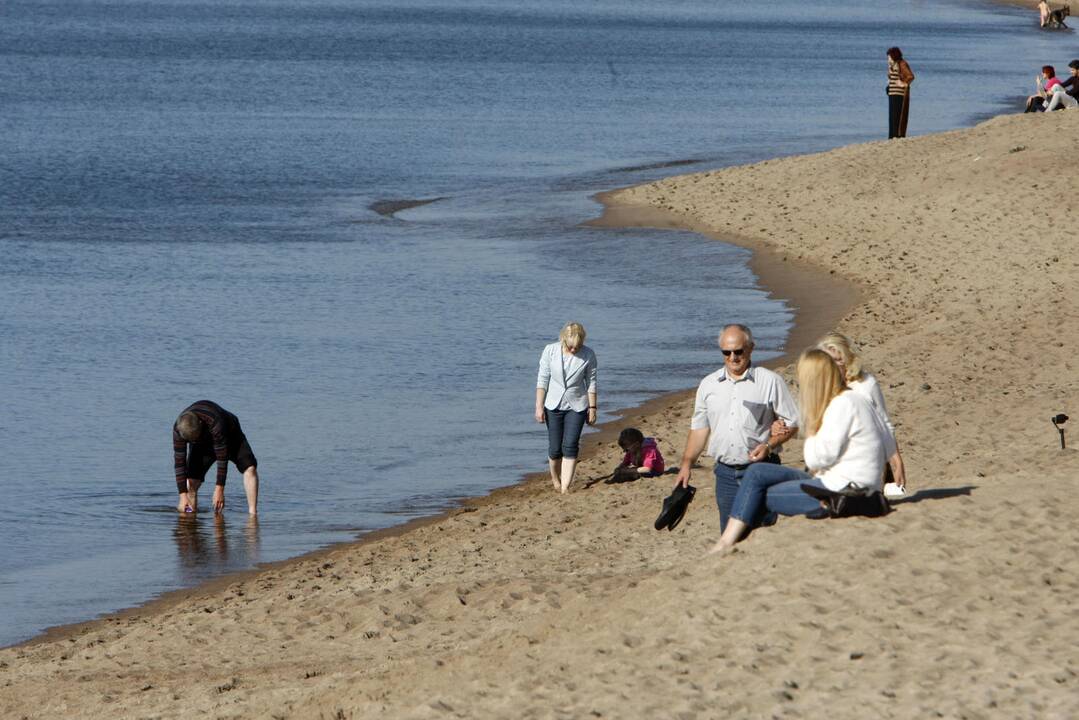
721,548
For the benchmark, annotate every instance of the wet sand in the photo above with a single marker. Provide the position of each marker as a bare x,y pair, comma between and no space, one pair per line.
960,604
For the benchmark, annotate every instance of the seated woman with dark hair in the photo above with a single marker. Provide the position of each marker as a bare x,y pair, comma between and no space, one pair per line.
845,449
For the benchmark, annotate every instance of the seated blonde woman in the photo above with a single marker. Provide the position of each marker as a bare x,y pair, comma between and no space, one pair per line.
865,384
845,450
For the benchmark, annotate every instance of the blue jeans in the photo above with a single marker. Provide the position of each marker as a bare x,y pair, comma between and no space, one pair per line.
775,488
728,480
564,433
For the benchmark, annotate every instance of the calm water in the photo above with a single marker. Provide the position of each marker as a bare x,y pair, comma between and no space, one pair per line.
185,212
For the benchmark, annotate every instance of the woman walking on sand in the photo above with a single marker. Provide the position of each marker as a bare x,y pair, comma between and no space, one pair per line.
900,76
566,400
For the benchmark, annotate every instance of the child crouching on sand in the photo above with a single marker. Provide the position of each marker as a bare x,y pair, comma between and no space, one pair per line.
642,458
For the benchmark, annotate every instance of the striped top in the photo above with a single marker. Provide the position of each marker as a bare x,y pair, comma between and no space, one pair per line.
221,423
896,86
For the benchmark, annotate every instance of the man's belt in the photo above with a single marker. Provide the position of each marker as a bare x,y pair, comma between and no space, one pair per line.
772,458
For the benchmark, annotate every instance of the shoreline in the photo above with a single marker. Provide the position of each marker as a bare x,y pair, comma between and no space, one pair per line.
772,270
817,298
957,604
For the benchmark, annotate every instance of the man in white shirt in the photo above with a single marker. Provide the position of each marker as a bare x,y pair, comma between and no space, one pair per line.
733,417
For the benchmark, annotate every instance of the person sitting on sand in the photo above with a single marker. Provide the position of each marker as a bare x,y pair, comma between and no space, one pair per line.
865,384
566,399
1071,83
845,449
642,458
213,434
1051,93
733,417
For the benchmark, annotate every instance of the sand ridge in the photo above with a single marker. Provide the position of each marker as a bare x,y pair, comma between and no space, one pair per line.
960,604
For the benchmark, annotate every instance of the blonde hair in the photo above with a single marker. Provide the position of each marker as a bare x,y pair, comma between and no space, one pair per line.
572,335
841,344
819,381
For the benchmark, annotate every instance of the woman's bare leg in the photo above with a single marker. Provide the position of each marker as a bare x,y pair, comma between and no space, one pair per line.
555,466
568,466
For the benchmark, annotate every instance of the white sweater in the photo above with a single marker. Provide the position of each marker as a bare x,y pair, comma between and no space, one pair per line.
851,446
869,388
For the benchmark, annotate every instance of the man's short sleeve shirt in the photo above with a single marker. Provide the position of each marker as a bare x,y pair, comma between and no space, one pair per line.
740,412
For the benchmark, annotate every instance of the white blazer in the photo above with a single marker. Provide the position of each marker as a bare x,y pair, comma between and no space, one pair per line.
571,385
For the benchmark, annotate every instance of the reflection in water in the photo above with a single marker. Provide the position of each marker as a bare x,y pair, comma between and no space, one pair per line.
204,547
251,535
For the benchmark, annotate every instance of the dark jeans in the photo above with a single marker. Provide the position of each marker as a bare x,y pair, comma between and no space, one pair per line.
728,480
564,433
898,110
775,488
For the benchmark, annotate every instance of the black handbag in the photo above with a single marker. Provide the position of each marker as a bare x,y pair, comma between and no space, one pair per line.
850,505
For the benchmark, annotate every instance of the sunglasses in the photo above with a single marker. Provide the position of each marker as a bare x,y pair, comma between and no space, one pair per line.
737,352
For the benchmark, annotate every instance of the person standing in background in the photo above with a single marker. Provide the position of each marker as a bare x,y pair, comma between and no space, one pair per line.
900,76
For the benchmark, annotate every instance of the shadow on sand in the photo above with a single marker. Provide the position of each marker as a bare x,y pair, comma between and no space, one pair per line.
935,494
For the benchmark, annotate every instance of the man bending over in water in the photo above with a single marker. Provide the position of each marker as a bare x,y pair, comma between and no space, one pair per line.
214,434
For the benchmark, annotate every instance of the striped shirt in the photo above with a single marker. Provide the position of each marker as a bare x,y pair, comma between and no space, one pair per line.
221,423
896,86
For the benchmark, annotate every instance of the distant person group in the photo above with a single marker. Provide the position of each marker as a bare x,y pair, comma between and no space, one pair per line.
1051,93
742,416
1050,18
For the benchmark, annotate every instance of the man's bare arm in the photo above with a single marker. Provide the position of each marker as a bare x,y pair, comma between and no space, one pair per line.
695,444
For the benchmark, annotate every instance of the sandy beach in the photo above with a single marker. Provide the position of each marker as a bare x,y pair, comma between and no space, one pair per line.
936,254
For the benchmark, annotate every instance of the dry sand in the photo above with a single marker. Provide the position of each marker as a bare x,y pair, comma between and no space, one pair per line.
960,604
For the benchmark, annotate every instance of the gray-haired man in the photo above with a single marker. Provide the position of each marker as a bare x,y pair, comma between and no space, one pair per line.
733,417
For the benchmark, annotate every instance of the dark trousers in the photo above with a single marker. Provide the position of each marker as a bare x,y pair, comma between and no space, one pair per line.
898,110
564,433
